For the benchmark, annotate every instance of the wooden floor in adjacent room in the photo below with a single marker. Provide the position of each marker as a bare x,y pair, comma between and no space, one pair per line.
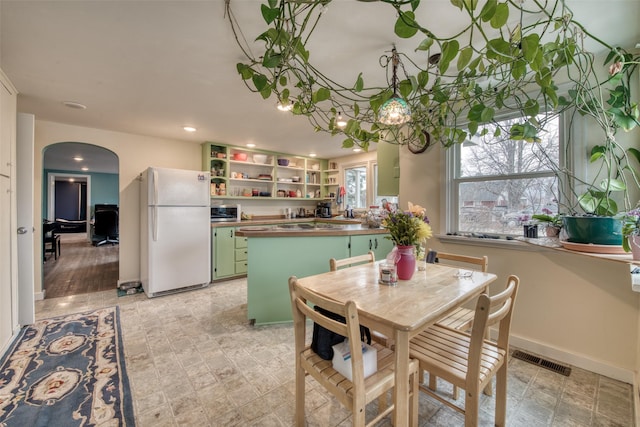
81,267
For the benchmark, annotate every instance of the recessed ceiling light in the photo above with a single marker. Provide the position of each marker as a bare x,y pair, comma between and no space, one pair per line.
78,158
84,168
75,105
251,145
312,155
189,128
357,150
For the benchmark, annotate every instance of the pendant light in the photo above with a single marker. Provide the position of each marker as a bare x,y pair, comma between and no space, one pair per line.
340,122
395,111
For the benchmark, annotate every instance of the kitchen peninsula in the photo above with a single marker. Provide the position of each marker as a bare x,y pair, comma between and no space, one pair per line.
278,251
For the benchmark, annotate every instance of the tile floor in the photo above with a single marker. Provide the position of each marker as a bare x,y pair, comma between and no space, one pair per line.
194,360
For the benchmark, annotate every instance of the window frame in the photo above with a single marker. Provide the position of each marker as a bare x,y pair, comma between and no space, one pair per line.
453,178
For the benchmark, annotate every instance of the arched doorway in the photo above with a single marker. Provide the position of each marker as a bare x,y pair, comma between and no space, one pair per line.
77,178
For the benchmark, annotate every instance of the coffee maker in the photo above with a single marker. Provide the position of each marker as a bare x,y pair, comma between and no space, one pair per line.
323,210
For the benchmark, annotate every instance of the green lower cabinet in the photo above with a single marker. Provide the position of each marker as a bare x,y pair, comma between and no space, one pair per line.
241,255
377,243
224,253
274,260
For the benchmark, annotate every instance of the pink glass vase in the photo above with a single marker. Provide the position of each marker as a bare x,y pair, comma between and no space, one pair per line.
406,265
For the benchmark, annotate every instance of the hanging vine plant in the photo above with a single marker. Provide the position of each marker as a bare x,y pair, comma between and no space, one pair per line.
510,57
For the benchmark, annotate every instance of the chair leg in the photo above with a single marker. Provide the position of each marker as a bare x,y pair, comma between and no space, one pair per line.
471,407
501,396
488,389
414,405
300,397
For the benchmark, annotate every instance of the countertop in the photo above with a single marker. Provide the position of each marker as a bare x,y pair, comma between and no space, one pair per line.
300,227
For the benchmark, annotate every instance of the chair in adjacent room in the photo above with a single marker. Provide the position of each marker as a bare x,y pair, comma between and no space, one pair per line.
50,240
462,317
106,227
468,360
355,394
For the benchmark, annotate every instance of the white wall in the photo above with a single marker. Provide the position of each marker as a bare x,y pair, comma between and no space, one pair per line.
135,154
571,307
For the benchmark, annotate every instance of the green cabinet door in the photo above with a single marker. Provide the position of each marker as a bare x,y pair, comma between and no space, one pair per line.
388,156
225,252
274,260
377,243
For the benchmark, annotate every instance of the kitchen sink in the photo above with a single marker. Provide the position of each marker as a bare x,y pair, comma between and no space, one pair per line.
310,226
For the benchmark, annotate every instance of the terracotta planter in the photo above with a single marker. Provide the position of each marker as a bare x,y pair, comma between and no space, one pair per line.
552,231
597,230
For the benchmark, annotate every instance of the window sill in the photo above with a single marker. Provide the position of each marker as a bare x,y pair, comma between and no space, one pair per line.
531,245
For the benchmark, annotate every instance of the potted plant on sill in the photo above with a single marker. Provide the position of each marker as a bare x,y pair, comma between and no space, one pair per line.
553,222
456,85
631,232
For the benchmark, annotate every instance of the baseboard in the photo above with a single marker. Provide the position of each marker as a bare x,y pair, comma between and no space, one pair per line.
577,360
40,295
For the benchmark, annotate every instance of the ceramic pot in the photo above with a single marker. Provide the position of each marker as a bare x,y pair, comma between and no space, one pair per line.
552,231
634,243
406,265
598,230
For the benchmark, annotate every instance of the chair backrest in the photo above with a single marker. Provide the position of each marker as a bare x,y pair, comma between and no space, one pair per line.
300,300
335,264
481,263
106,223
497,309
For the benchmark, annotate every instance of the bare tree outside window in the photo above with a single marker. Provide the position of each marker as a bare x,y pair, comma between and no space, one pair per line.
356,187
500,183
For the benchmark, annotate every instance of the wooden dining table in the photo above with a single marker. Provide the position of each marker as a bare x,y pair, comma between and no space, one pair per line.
401,311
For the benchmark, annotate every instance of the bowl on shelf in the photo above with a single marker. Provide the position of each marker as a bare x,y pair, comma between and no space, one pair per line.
295,178
315,166
240,156
265,194
260,158
283,162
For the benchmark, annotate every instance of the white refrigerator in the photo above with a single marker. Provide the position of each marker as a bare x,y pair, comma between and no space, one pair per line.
175,230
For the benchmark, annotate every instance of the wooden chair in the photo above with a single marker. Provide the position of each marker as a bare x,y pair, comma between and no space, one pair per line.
462,317
355,394
335,264
468,360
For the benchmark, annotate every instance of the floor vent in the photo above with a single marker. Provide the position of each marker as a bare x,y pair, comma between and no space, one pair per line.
552,366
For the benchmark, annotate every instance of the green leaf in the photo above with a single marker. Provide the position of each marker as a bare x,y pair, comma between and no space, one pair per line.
405,87
475,113
271,59
320,95
347,143
273,3
269,14
498,47
531,108
500,17
612,185
487,114
530,45
464,58
471,4
259,81
423,78
244,70
457,3
406,25
488,10
359,83
635,153
472,127
266,92
425,44
518,69
449,51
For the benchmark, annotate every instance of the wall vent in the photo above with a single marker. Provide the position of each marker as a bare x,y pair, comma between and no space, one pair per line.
547,364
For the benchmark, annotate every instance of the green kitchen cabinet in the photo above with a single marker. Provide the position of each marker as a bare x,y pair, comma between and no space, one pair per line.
361,244
241,255
274,260
388,157
225,251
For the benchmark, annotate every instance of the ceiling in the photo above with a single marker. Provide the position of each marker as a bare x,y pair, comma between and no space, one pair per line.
149,67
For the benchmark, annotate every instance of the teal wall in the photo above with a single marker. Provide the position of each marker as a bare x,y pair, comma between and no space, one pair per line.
104,187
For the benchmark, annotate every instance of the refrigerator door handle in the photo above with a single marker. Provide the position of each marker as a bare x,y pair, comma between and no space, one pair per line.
154,222
155,187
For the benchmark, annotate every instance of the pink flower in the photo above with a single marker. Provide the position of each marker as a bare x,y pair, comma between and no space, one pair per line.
615,68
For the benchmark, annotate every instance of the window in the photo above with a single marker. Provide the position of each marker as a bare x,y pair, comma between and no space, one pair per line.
355,179
378,200
497,183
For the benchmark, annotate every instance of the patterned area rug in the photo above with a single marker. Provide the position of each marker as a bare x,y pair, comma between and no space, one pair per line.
67,371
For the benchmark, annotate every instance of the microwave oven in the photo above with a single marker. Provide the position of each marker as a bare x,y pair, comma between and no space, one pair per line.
225,213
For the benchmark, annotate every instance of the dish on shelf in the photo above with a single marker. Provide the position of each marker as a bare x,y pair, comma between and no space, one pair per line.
265,177
315,166
283,162
285,180
591,248
240,156
260,158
